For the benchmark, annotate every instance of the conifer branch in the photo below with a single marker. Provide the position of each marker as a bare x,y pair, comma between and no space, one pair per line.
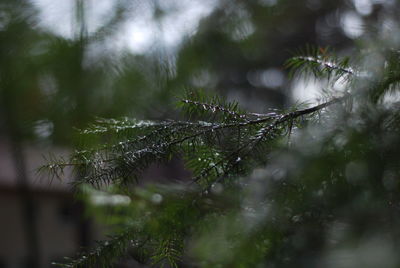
317,62
214,108
262,133
326,64
105,253
117,163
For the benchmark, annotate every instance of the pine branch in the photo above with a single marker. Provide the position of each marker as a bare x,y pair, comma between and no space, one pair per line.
125,161
105,253
214,108
316,62
323,64
158,141
250,145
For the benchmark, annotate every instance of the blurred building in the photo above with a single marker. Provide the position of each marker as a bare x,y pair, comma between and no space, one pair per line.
41,219
42,214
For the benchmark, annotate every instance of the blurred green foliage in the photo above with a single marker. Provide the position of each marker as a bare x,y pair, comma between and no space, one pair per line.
53,83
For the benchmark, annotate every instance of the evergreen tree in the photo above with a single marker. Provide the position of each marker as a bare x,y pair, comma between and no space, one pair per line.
313,186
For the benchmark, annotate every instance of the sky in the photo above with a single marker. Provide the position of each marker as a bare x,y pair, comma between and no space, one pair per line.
140,31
